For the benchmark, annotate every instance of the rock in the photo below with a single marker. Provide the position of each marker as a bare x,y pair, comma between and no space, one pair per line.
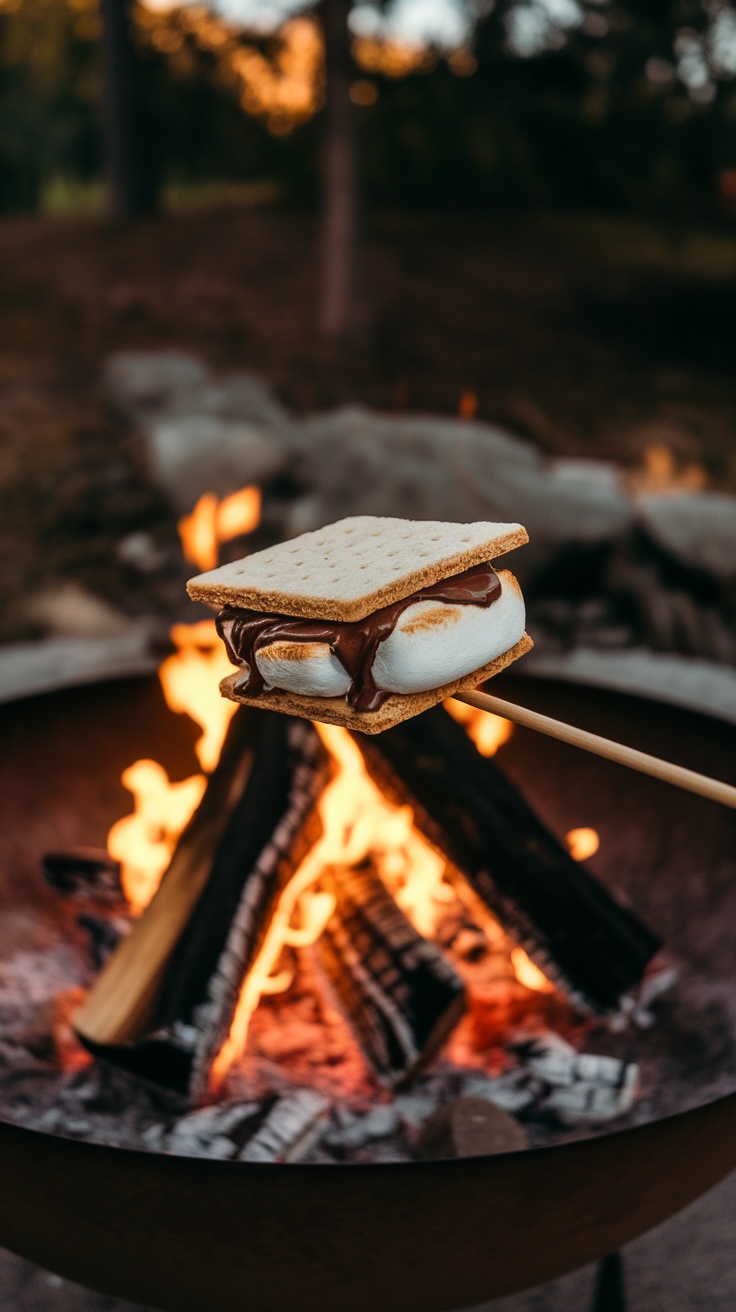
697,528
140,382
197,453
201,434
355,462
68,610
695,684
471,1127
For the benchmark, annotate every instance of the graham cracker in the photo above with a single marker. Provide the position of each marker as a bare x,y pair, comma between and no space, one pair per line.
354,567
398,707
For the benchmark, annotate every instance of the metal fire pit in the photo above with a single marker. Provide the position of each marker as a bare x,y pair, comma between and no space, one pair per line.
184,1234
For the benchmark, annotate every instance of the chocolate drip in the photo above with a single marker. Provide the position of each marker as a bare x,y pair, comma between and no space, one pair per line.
354,643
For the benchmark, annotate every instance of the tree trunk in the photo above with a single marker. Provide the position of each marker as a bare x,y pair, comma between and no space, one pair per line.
126,136
340,182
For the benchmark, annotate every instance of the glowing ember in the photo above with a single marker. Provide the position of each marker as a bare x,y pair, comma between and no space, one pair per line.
582,843
213,522
357,822
144,841
487,731
528,974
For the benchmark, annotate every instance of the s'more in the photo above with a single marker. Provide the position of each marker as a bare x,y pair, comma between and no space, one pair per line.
369,620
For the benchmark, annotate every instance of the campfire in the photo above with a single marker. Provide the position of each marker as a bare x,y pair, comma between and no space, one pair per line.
322,942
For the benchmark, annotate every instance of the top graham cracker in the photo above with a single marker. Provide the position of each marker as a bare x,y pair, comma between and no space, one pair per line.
352,568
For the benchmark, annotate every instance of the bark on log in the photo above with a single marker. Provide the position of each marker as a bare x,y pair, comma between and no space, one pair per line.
269,829
467,808
400,995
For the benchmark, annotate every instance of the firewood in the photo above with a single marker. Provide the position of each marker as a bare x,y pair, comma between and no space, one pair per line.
471,1127
240,866
400,995
471,812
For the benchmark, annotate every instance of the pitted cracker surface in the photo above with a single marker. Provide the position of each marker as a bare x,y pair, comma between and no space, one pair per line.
350,569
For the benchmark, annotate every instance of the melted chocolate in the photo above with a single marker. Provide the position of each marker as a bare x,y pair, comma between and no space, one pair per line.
356,642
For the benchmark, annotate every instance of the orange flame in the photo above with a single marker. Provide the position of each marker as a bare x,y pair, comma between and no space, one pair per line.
213,522
144,841
357,822
528,974
582,843
488,731
190,680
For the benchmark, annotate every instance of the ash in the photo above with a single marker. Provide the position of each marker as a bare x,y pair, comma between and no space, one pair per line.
303,1091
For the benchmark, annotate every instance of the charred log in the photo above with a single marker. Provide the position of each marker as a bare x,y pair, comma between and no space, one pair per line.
472,813
240,878
400,995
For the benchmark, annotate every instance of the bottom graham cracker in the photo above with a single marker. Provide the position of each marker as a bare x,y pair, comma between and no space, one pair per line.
335,710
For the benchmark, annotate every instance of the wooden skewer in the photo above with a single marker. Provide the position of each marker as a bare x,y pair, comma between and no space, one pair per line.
592,742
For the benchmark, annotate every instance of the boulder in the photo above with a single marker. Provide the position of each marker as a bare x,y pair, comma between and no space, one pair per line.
197,453
697,528
140,382
201,434
354,462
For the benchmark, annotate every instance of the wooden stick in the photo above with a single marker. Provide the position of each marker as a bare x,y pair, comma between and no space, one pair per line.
690,780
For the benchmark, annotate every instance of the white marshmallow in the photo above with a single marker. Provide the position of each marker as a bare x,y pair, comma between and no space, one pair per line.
303,667
433,643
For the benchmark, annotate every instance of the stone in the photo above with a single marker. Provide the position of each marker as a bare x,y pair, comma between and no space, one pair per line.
197,453
697,528
201,434
471,1127
69,610
695,684
353,462
145,381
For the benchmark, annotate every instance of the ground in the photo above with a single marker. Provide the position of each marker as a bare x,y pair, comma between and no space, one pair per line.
591,336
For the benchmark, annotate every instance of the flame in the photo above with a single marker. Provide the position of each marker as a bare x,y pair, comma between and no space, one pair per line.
488,731
528,974
582,843
467,406
663,473
357,822
198,533
191,683
213,522
239,513
144,841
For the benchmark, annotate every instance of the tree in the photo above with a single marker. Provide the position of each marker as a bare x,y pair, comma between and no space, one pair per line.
128,148
339,228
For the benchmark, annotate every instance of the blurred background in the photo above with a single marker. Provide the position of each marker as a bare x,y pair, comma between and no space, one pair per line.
520,215
265,264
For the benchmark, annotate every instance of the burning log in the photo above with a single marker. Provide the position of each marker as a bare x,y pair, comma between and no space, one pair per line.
273,1130
468,809
84,872
164,1005
401,996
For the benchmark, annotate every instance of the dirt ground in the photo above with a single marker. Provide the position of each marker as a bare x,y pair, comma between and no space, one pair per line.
591,336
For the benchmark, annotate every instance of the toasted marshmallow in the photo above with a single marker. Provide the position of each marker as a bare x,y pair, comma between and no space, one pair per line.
432,644
305,667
